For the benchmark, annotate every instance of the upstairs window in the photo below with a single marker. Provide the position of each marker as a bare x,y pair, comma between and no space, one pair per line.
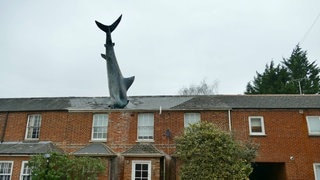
99,127
145,126
313,125
256,125
25,171
6,170
33,126
191,118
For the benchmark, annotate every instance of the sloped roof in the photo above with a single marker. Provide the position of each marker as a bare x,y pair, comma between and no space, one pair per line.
143,149
163,102
27,148
34,104
95,149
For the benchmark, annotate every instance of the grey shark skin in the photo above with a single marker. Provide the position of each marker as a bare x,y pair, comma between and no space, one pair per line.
118,85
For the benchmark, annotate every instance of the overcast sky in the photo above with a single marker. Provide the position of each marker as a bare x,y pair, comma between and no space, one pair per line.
52,48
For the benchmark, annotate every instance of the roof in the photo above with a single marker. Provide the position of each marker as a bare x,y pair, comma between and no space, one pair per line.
95,149
27,148
143,149
163,102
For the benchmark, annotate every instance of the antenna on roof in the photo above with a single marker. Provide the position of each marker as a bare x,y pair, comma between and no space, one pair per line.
299,83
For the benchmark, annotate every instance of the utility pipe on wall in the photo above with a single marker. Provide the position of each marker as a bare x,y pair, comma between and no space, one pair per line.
229,120
4,127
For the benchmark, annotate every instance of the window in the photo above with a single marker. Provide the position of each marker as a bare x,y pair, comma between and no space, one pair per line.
99,127
191,118
6,170
313,125
141,170
256,125
33,126
25,171
145,126
316,167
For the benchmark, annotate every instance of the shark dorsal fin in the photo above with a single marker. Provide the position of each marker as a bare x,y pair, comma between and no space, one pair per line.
128,82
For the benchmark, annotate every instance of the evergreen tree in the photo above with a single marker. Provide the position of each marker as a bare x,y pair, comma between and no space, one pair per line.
295,75
274,80
302,71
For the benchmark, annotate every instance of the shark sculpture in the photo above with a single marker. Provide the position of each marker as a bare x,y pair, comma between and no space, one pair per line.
118,85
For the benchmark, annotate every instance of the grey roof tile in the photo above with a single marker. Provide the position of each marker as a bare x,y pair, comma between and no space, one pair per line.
95,149
143,149
152,103
27,148
34,104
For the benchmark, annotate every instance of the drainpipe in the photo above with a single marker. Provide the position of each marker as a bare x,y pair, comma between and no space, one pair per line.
229,119
4,127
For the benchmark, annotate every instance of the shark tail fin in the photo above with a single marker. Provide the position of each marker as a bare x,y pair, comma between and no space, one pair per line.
128,82
110,28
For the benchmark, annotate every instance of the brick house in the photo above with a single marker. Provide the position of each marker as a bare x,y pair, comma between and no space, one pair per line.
138,140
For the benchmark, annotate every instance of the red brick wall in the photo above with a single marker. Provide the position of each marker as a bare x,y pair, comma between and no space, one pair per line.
16,126
286,133
286,136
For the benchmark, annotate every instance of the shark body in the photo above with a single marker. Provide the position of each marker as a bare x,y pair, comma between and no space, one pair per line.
118,85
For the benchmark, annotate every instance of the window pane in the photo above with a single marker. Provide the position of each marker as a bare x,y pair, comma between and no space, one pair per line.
138,166
145,167
99,126
317,171
145,174
33,128
141,170
256,125
26,171
314,124
255,122
5,170
145,126
191,118
138,174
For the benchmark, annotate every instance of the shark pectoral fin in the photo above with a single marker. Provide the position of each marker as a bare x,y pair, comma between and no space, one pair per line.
104,56
128,82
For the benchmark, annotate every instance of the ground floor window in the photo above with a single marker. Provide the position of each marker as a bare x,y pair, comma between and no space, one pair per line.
6,170
141,170
25,171
316,171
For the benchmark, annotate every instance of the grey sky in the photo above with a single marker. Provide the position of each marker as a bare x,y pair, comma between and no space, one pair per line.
52,48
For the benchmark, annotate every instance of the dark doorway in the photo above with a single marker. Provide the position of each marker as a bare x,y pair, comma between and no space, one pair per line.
268,171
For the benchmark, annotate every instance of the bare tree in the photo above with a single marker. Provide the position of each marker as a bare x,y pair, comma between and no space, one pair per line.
202,89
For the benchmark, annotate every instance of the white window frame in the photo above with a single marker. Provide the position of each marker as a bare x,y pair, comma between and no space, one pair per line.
11,169
145,124
262,126
103,127
316,166
313,133
23,168
133,171
31,127
191,118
